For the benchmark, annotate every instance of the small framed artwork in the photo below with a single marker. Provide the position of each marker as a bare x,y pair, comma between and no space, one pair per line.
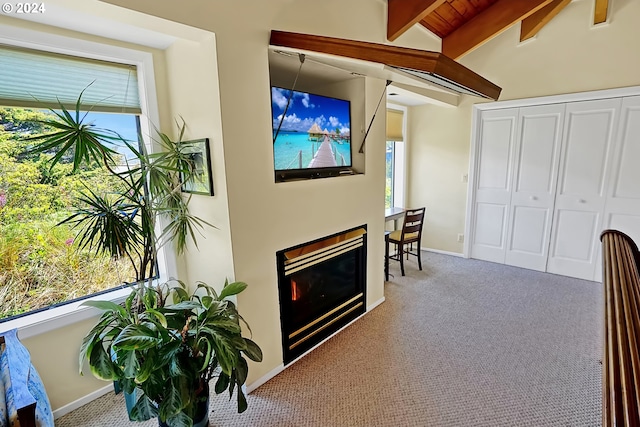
201,181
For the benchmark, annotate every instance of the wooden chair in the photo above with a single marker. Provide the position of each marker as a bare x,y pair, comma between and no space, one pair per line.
410,233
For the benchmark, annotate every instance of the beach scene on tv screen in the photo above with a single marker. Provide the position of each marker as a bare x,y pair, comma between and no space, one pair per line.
315,133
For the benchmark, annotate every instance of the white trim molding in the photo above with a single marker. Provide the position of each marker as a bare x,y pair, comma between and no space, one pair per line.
64,410
559,99
438,251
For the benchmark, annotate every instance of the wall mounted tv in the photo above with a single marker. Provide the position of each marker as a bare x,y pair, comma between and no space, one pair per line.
313,138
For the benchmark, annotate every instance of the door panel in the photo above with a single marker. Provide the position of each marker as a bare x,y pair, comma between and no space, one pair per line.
490,225
629,224
529,228
493,184
622,211
573,243
584,162
583,180
495,153
535,177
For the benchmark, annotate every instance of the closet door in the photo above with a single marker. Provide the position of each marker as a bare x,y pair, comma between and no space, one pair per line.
534,185
493,184
622,211
582,186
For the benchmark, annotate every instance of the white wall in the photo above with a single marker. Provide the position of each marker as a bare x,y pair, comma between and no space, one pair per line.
568,55
194,96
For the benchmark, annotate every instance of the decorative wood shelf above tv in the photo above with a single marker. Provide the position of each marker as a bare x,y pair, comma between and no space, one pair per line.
400,64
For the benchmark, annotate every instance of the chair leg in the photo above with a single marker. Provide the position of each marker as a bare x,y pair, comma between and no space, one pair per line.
419,259
401,249
386,257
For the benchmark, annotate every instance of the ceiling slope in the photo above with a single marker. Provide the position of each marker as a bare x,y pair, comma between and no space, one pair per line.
488,24
463,25
403,14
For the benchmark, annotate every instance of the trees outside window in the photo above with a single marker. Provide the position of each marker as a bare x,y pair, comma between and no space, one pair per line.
41,264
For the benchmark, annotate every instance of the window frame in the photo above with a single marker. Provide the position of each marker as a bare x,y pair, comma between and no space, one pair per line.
398,191
57,317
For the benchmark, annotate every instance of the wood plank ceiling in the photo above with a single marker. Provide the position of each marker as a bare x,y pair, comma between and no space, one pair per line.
463,25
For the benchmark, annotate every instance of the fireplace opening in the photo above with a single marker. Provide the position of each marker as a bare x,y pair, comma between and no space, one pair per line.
322,288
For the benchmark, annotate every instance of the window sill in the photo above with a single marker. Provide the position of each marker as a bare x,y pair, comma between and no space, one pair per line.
59,317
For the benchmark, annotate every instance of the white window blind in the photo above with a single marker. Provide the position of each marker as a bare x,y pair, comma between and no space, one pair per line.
394,125
38,79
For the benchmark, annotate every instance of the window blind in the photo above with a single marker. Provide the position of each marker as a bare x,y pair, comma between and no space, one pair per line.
39,79
394,125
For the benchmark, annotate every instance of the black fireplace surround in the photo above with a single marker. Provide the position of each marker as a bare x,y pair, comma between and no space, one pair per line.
322,286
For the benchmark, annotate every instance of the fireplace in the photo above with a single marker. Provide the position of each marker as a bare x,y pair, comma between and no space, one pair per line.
322,287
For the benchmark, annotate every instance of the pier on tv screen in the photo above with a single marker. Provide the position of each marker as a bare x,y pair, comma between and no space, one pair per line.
314,133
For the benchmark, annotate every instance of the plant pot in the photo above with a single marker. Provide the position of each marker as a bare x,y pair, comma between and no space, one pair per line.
201,418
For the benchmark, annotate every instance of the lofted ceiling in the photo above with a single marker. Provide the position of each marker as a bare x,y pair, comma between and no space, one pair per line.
463,25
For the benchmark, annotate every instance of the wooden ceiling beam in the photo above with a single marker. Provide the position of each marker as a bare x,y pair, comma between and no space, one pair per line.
534,23
394,56
600,13
403,14
488,24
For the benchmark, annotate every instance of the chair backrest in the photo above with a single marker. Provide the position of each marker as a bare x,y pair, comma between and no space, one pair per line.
413,220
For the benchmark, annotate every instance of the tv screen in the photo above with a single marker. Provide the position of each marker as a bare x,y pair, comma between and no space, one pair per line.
314,135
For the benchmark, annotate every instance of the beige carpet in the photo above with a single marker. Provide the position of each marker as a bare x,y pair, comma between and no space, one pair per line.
462,343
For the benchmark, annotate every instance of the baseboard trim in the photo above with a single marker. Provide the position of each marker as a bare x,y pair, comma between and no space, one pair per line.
64,410
266,377
375,304
438,251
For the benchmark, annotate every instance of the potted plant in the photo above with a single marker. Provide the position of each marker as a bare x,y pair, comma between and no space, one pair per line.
170,352
164,342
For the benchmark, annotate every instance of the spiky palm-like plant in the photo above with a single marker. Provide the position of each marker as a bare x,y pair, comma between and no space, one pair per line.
125,222
163,342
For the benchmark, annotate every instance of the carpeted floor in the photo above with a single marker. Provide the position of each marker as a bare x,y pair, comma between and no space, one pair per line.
462,343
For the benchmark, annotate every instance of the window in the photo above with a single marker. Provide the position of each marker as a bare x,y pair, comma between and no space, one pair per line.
39,265
389,160
394,158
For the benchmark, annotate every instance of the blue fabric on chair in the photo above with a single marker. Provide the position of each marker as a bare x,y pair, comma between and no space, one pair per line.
24,396
4,417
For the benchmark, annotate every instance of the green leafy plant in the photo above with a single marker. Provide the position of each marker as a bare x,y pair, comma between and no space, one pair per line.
163,342
170,352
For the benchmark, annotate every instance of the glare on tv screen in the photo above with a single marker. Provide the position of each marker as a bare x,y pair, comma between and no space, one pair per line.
315,133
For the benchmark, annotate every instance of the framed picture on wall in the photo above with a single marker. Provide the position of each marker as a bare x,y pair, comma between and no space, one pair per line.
199,159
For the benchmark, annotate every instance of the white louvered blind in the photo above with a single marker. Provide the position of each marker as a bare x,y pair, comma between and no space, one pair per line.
394,125
38,79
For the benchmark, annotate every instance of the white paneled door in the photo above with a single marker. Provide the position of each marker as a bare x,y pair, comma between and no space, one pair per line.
495,150
537,154
622,210
582,187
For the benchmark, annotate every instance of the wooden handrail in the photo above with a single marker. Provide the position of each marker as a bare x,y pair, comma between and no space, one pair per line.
621,362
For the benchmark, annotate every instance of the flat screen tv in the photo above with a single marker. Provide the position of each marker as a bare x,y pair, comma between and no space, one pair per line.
313,138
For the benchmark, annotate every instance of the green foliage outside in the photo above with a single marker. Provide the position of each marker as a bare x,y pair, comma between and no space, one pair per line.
388,193
40,263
